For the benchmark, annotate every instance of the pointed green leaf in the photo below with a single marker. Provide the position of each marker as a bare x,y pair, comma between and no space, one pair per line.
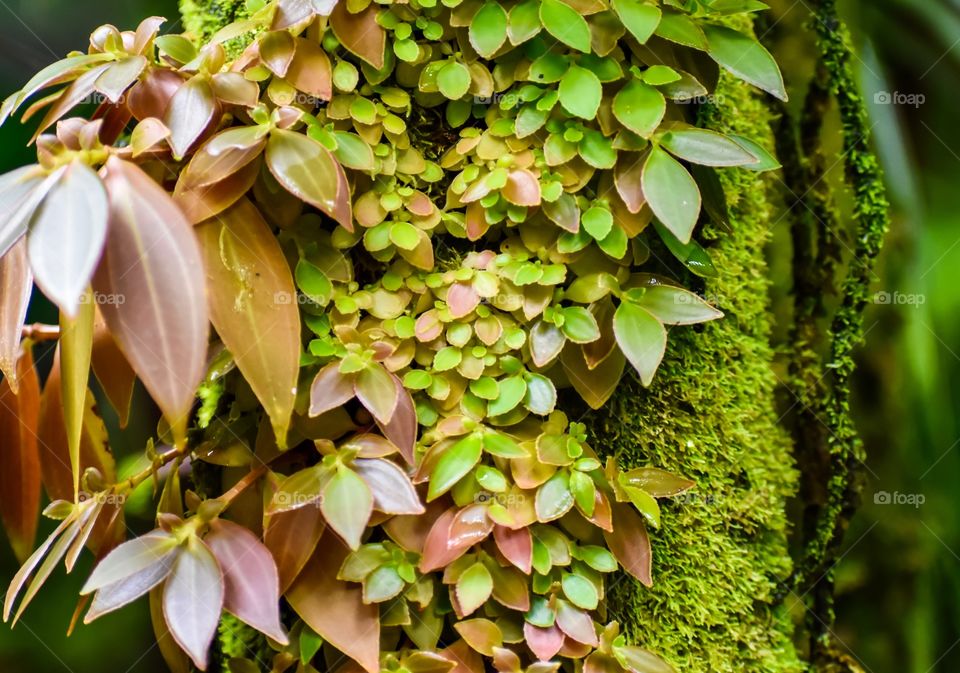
641,337
566,24
454,464
746,58
672,193
347,504
488,30
640,18
580,92
639,107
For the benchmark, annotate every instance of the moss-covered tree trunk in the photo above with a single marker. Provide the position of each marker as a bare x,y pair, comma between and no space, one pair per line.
722,567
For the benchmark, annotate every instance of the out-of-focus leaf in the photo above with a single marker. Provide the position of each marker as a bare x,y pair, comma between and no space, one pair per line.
334,609
189,114
251,583
672,193
120,76
291,537
66,237
639,660
20,457
308,171
744,57
153,270
629,542
76,348
60,71
17,284
192,600
391,488
658,483
360,33
346,505
250,290
595,385
176,660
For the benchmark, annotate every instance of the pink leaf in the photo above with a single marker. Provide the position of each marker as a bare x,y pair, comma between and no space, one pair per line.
402,428
193,599
543,642
576,623
462,299
330,389
251,582
291,537
130,558
630,543
115,596
392,491
515,545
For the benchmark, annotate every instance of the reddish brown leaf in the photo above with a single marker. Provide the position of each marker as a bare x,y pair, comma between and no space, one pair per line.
522,188
309,70
470,526
330,389
576,623
543,642
153,267
17,284
206,201
392,491
376,391
251,583
465,658
276,51
291,538
151,95
334,609
193,599
515,545
436,551
20,458
190,112
630,543
360,33
249,287
402,428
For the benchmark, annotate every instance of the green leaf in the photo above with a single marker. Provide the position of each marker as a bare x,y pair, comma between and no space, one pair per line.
377,391
488,30
645,504
474,587
579,325
672,193
681,29
707,148
524,22
353,152
76,349
454,464
639,660
598,222
66,238
346,505
746,58
382,584
641,337
512,390
565,24
691,254
598,558
404,235
676,306
765,160
454,80
584,491
313,282
638,17
639,107
541,397
554,498
580,591
580,92
500,445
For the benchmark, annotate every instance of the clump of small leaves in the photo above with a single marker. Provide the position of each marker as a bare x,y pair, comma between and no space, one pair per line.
411,226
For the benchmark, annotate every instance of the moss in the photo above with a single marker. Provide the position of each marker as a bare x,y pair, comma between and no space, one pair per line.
722,551
236,640
203,18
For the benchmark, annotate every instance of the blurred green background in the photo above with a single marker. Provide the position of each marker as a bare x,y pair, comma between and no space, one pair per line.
899,576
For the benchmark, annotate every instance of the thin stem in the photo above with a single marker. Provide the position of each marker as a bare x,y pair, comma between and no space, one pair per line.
40,332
